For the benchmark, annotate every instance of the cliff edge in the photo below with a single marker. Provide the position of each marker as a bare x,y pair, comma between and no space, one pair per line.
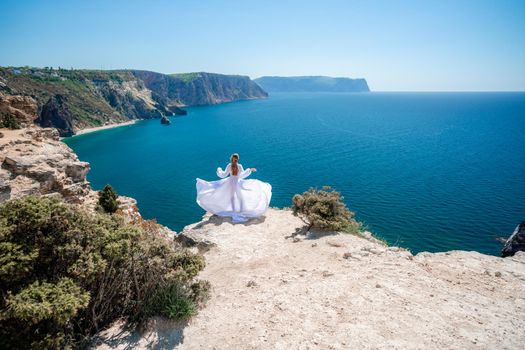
276,286
34,162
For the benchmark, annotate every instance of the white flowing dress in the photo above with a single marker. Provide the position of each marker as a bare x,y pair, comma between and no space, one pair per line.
233,196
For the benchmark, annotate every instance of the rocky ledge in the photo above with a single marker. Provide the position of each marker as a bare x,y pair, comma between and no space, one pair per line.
276,286
34,162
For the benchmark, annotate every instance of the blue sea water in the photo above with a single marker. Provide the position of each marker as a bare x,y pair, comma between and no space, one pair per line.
427,171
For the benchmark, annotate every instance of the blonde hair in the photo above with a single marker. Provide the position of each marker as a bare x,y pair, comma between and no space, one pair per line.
234,155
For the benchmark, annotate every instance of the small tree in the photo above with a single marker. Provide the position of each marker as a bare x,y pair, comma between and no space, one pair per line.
107,198
324,209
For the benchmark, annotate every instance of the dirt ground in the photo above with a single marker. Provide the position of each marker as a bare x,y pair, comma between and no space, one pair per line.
273,289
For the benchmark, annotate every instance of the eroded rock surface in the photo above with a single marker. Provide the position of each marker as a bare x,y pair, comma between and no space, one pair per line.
23,108
35,162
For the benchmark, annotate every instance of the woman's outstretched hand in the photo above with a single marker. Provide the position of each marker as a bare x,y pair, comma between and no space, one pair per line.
253,170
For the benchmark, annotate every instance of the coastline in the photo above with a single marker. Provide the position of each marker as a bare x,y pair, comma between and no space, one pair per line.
104,127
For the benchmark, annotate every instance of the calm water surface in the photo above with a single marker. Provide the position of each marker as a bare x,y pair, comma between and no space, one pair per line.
427,171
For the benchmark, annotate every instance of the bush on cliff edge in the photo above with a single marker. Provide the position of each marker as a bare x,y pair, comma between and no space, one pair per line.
107,199
324,209
66,273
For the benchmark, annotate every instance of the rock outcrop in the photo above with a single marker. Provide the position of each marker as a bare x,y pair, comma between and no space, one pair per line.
34,162
164,120
516,242
55,113
23,108
312,84
276,286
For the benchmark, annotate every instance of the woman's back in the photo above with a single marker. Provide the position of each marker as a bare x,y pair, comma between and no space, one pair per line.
234,169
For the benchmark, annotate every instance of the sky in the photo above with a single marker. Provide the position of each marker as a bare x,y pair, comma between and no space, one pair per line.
396,45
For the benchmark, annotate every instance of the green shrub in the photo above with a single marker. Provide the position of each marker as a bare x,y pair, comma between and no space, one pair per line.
41,300
107,199
66,273
170,301
324,209
9,121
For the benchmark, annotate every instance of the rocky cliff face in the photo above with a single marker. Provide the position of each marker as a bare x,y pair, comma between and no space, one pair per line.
312,84
34,162
71,100
193,89
22,108
516,242
276,286
55,113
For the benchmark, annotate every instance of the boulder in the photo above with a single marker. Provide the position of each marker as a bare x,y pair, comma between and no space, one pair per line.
77,171
164,120
516,241
23,108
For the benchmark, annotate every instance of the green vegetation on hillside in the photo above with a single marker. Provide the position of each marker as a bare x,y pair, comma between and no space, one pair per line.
186,77
66,273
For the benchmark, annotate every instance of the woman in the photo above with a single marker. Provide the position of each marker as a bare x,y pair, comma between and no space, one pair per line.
233,196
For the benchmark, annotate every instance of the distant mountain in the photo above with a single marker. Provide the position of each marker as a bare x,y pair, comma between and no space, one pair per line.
312,84
71,100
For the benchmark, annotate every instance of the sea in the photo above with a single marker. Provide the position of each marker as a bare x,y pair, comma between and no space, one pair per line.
425,171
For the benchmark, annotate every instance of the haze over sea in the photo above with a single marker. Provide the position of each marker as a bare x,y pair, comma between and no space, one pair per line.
426,171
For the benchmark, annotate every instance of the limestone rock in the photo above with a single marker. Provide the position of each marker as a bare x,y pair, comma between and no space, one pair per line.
33,161
23,108
128,206
516,241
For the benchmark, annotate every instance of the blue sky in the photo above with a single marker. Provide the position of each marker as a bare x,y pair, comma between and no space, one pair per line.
396,45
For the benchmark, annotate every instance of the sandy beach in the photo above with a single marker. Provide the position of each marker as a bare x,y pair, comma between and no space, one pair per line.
103,127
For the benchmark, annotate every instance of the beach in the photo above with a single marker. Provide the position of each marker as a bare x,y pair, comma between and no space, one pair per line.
104,127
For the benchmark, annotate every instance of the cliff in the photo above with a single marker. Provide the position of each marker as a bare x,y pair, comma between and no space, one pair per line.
312,84
34,162
193,89
72,100
276,286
